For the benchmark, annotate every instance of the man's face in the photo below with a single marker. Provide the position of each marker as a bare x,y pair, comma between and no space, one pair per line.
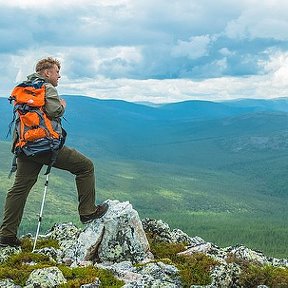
53,74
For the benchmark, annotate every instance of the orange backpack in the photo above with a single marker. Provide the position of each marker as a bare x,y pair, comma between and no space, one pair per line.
35,132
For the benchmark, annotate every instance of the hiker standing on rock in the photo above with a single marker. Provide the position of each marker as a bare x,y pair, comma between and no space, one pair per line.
28,167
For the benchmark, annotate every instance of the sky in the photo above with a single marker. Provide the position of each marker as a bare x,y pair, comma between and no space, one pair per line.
150,51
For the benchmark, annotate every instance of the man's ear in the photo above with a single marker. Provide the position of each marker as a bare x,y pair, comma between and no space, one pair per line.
46,73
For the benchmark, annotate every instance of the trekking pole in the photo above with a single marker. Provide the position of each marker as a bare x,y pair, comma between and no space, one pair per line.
41,212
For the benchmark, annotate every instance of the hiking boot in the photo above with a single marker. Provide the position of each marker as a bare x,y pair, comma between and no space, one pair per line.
9,241
100,211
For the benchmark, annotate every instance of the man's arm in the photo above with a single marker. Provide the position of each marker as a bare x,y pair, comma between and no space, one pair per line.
54,106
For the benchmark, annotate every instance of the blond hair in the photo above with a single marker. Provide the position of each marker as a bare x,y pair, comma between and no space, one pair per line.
47,63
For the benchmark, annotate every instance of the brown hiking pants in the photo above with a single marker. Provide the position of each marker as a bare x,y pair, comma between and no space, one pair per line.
27,172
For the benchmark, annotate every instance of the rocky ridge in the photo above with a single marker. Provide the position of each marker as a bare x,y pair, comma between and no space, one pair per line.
117,242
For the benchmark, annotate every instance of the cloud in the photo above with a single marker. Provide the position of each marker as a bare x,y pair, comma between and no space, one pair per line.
91,61
196,47
175,90
268,20
187,41
277,68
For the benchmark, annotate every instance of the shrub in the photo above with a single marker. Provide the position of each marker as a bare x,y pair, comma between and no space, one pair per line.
18,266
194,269
27,244
254,274
83,275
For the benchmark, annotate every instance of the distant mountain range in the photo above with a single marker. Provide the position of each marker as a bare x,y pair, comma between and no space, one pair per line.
187,110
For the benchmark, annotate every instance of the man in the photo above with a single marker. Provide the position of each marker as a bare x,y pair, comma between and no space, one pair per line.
28,167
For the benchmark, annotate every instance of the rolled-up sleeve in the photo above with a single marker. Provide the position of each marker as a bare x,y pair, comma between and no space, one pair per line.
53,106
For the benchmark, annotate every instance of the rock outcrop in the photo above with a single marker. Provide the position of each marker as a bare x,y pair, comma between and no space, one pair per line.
116,237
117,242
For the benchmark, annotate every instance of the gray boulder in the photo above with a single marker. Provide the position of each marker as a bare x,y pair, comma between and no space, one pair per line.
116,237
153,274
63,232
225,275
45,278
243,253
278,262
6,252
162,233
95,284
8,283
